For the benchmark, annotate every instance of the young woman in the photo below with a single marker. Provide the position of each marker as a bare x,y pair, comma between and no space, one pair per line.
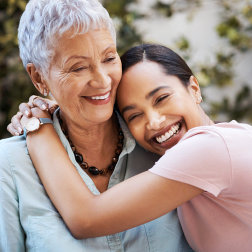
205,169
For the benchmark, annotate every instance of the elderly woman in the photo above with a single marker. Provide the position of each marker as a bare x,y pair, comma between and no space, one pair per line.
69,49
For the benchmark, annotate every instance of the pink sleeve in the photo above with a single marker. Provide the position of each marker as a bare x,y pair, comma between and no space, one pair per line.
200,159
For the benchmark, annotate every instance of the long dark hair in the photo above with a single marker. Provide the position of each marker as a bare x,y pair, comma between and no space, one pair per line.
171,62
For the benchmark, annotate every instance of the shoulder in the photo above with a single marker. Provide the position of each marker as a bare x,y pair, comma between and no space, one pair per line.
220,129
201,159
200,148
219,137
13,152
13,145
204,139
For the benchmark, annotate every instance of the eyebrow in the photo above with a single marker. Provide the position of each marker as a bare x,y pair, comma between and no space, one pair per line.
151,93
110,46
125,109
76,57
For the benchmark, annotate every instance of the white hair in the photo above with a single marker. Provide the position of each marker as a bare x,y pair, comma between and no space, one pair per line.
43,21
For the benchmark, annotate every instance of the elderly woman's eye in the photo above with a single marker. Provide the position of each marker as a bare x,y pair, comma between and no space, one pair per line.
78,69
109,59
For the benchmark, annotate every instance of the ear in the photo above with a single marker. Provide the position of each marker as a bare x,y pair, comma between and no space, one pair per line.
195,89
37,79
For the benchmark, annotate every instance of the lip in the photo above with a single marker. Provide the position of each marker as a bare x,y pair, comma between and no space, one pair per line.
164,130
170,142
98,102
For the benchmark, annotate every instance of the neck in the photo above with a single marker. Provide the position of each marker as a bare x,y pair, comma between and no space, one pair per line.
97,142
91,136
205,119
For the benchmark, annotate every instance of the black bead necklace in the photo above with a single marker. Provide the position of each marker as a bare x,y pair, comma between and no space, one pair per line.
92,169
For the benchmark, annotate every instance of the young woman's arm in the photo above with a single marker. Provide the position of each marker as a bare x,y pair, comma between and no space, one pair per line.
135,201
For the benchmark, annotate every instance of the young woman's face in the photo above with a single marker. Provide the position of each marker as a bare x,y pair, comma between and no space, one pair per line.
157,107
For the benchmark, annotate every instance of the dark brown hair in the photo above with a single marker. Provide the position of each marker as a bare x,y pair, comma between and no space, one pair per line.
170,61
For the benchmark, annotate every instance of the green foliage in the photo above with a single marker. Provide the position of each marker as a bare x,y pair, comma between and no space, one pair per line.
127,36
171,7
164,9
239,109
15,86
236,28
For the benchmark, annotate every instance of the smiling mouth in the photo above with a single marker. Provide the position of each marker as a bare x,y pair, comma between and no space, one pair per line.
99,97
169,134
102,97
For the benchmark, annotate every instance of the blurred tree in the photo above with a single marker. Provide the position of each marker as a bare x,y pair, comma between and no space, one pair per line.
235,27
15,85
127,35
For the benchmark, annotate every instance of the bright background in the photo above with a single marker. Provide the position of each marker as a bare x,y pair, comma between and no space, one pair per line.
214,36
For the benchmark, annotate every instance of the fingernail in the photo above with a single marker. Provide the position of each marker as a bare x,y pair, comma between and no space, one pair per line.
26,112
16,134
43,106
20,130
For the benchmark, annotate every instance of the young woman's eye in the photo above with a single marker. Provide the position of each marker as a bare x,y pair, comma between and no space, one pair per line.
132,117
161,98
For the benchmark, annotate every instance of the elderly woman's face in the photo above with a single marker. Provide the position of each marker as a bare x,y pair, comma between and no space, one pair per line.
84,76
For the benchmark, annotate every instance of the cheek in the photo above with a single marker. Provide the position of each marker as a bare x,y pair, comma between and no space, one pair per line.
137,131
178,106
116,75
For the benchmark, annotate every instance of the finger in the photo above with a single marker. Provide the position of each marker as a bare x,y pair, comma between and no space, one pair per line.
12,130
31,99
25,109
39,102
52,109
37,112
53,105
15,121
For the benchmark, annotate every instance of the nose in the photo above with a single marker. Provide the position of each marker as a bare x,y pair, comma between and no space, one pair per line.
100,78
155,121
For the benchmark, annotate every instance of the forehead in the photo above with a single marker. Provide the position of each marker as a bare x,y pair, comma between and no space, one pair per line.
144,77
84,44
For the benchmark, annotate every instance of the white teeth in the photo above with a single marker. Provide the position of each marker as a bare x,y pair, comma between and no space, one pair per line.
168,134
103,97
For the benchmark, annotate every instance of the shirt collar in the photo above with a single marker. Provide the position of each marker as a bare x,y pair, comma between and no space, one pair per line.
128,146
129,141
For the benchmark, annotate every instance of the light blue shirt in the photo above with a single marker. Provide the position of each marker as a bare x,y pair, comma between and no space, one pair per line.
29,221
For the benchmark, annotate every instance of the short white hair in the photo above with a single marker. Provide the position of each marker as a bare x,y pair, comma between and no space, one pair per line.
43,21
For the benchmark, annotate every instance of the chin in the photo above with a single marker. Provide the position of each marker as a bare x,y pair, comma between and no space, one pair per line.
101,116
158,152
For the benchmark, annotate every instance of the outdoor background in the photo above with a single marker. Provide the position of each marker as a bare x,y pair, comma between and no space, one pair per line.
214,36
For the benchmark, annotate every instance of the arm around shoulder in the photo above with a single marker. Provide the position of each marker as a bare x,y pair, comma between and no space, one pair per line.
133,202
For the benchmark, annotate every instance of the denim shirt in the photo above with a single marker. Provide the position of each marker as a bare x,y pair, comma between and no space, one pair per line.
29,221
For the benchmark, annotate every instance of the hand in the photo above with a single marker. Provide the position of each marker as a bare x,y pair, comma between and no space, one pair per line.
26,111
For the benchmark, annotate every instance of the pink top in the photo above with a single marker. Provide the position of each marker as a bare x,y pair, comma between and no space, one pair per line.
217,159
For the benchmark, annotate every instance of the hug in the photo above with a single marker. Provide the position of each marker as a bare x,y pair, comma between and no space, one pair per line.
63,176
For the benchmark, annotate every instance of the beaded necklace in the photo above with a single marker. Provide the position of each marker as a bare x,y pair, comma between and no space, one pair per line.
92,169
